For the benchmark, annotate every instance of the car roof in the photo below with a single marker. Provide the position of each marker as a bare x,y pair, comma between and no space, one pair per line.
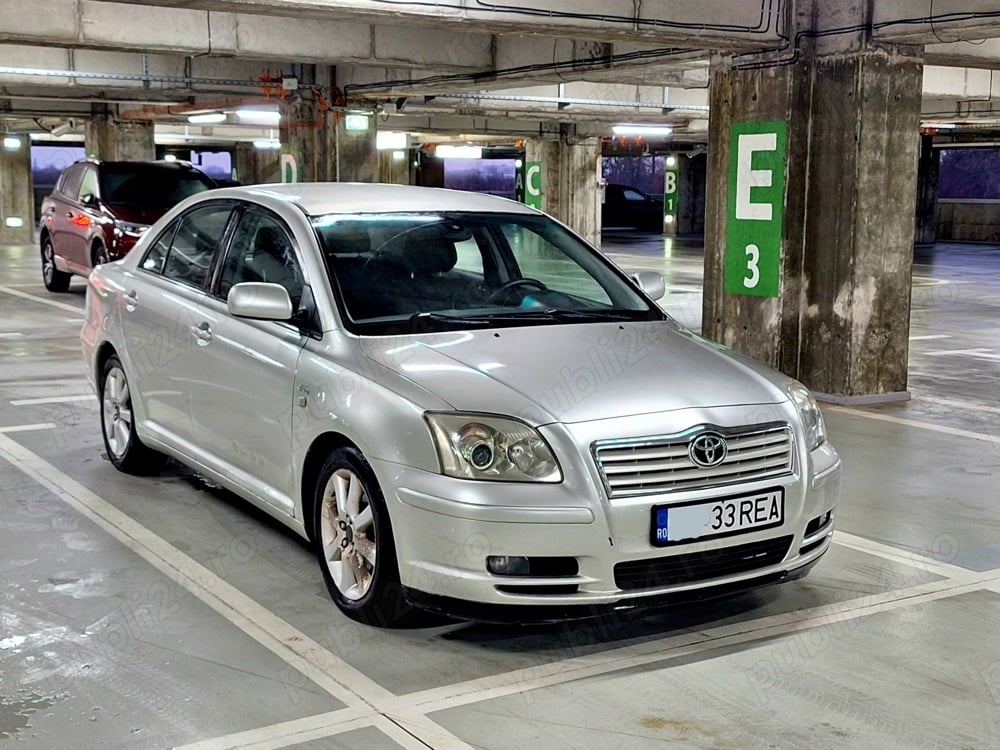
318,198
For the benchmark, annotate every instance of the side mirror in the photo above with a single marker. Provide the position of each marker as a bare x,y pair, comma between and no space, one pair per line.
259,301
88,199
651,283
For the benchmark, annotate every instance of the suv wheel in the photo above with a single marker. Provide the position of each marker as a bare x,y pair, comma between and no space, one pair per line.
99,255
54,279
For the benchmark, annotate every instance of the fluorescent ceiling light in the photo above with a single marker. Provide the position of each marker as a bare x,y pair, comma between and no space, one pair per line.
169,157
387,140
267,144
626,129
259,116
12,143
448,151
207,118
398,155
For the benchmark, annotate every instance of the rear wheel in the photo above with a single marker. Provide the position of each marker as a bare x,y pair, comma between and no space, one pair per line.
124,448
54,279
355,544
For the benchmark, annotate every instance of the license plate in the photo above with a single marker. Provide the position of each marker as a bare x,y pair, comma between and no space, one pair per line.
673,524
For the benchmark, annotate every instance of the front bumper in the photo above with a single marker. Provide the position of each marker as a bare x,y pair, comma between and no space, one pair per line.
446,528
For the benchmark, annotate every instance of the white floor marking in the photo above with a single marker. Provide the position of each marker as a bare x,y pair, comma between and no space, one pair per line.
11,335
299,730
970,405
925,563
683,644
913,423
40,300
930,336
53,400
344,682
27,427
976,353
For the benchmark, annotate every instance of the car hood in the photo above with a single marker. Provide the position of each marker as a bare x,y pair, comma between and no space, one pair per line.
579,372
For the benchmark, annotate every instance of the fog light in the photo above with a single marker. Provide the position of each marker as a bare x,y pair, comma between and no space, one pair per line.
502,565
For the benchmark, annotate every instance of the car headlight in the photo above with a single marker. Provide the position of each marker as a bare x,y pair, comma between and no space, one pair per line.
482,446
812,417
127,227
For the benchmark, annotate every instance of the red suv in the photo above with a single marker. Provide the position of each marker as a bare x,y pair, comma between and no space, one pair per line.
99,209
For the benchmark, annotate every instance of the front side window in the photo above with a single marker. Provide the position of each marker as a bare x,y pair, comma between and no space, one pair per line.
461,271
88,186
194,244
262,250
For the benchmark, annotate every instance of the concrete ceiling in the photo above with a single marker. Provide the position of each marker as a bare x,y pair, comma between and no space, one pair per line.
444,66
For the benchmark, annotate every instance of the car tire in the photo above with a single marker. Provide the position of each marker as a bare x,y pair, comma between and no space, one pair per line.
125,450
99,255
54,279
361,576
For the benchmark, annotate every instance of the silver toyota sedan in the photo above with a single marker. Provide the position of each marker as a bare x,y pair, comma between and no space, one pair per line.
464,406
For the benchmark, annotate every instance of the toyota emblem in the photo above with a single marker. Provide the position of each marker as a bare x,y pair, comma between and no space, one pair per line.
708,449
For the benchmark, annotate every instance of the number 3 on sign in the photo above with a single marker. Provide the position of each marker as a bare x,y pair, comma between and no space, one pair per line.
753,272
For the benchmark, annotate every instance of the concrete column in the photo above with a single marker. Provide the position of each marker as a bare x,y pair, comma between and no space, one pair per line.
690,216
255,166
356,158
840,320
394,170
571,175
305,136
928,177
110,139
17,203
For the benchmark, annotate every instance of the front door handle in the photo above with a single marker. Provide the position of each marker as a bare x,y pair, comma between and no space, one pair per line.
131,300
202,332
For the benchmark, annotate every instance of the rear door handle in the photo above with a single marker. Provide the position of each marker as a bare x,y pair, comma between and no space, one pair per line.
202,332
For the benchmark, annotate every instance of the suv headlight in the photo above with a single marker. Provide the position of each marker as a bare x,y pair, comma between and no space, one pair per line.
482,446
812,417
127,227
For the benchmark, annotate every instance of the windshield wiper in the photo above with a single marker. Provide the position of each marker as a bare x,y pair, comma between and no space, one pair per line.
428,321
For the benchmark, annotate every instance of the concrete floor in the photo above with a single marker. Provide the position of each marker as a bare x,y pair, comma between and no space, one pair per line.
150,613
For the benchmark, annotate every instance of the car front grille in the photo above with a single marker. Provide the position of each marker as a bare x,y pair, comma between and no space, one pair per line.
643,466
702,565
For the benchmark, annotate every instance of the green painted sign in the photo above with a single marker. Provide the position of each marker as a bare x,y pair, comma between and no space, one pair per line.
757,158
670,197
533,184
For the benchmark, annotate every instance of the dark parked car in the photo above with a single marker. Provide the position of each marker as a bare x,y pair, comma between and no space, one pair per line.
626,206
99,209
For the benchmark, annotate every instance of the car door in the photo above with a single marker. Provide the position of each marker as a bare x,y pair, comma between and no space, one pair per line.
243,378
166,321
61,211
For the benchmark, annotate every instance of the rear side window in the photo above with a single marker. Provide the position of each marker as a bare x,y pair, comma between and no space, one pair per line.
69,182
193,245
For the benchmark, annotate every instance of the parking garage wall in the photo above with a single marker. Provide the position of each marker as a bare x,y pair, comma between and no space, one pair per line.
969,220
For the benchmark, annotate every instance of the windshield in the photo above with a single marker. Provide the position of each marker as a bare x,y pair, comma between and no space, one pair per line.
150,186
457,271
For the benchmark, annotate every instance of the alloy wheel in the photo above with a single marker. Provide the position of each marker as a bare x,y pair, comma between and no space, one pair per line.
117,406
347,534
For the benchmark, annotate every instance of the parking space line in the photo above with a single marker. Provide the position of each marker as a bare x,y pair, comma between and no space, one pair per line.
684,644
902,421
297,730
11,335
27,427
930,336
319,665
53,400
41,300
895,554
970,405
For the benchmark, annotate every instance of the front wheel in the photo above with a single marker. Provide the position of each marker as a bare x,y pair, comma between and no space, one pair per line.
54,279
124,448
355,544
